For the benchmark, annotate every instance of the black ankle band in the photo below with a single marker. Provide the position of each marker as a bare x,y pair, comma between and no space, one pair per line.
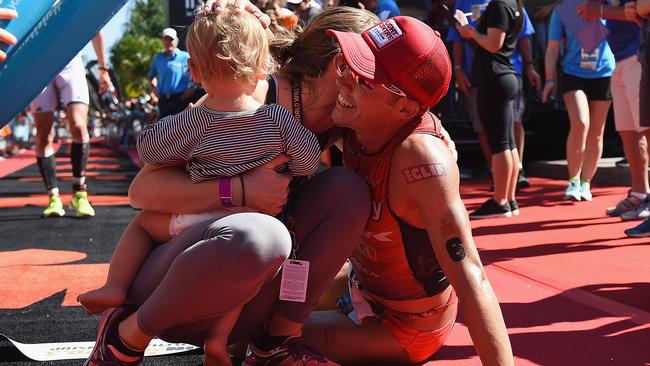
113,338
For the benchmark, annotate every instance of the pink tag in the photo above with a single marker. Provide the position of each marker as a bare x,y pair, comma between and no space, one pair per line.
295,274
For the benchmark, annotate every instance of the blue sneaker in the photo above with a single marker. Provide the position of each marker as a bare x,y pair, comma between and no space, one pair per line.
640,231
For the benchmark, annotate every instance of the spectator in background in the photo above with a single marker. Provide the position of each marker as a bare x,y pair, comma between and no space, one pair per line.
496,37
168,77
5,141
624,40
306,10
639,12
521,59
383,8
21,130
587,95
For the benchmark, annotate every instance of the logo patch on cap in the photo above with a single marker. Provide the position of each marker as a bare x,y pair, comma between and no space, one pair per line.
385,33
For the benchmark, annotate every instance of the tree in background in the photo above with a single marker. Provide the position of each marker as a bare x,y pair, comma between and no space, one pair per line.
131,55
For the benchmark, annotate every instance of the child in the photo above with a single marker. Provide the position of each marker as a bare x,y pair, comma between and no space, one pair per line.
228,135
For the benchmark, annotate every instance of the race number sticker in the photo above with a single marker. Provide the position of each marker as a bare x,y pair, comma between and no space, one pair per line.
589,61
295,274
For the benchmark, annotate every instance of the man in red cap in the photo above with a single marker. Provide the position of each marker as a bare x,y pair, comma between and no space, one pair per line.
416,262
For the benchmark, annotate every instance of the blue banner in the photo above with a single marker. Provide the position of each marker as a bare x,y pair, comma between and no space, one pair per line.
63,31
29,11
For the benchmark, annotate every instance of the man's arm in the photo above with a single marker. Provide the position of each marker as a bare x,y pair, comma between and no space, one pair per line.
424,183
591,10
153,79
458,52
523,44
105,82
153,82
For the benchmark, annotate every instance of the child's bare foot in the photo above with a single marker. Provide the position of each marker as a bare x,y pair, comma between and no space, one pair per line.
96,301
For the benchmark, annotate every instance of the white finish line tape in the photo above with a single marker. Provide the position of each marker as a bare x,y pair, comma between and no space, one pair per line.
81,350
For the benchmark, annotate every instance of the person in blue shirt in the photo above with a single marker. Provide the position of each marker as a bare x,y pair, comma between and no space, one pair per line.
587,96
383,8
624,40
463,55
168,76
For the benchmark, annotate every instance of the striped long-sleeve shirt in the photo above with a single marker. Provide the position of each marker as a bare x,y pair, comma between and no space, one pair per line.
214,144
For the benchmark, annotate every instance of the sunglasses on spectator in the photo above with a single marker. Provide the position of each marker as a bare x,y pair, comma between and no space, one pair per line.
341,66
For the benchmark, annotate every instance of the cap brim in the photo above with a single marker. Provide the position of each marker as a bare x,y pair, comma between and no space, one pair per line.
359,56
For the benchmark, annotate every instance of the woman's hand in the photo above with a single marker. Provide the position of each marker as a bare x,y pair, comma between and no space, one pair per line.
216,6
6,37
265,189
464,29
548,88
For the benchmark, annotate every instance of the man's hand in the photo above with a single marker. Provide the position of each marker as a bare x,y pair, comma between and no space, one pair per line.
6,37
105,82
462,81
216,6
533,77
589,10
548,88
265,189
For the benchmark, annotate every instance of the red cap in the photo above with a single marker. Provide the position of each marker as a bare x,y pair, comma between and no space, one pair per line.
400,51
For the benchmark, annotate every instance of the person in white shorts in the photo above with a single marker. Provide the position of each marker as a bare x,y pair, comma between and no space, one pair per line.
70,88
624,39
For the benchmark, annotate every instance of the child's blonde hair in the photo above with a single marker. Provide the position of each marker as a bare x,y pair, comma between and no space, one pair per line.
229,46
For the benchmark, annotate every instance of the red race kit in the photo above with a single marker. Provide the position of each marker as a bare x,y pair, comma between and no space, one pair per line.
394,262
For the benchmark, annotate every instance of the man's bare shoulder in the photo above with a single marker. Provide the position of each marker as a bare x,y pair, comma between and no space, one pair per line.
425,147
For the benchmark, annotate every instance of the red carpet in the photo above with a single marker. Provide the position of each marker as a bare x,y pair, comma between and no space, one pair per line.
574,290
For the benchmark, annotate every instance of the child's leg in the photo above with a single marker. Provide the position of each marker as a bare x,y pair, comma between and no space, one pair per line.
146,229
216,341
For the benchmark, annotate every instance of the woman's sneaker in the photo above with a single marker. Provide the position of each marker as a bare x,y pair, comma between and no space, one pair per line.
491,208
573,190
585,191
514,207
640,231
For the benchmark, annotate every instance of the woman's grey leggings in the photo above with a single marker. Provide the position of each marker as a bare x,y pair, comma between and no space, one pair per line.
187,284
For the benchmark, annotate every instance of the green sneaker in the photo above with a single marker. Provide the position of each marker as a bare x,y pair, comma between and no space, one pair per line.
81,205
54,208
